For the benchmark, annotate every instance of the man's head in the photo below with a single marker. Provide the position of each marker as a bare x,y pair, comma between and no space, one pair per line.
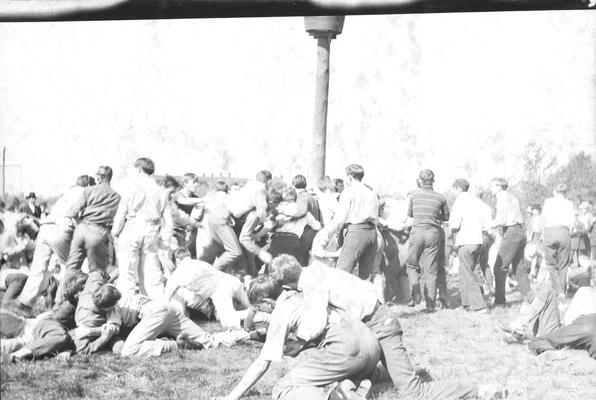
325,185
170,184
497,185
263,292
461,185
180,254
104,174
83,180
264,176
585,206
73,285
274,197
427,177
190,182
338,185
31,198
144,166
289,194
354,172
286,270
221,186
561,189
106,297
299,182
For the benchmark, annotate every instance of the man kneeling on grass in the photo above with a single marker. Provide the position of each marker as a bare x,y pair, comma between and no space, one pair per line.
46,335
345,357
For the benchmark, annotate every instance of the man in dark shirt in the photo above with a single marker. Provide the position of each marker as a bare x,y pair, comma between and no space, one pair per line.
97,206
427,208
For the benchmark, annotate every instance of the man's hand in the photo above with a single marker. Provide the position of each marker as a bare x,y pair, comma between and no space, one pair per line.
322,238
108,330
265,256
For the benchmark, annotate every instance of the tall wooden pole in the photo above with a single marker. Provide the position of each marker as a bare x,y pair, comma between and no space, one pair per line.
324,29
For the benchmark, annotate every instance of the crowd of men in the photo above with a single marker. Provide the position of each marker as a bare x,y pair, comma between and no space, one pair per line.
287,265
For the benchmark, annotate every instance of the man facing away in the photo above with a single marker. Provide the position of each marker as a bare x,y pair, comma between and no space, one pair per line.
470,218
558,218
358,209
137,226
509,220
91,239
427,208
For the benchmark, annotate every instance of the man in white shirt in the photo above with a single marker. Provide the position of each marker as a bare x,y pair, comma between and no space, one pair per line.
470,217
558,218
137,224
193,281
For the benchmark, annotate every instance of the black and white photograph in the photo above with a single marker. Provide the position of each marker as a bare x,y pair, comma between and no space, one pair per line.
298,200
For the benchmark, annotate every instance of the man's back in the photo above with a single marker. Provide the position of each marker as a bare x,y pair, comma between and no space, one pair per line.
101,203
427,207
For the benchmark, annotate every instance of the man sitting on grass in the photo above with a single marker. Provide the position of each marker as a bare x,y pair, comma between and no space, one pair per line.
50,331
346,356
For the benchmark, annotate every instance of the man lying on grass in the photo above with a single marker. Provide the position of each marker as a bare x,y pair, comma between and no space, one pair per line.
345,357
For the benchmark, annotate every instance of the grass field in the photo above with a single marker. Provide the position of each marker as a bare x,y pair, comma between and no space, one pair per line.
450,344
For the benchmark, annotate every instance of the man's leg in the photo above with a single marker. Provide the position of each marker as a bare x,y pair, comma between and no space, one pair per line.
429,263
384,323
471,296
14,286
49,337
415,248
509,251
551,255
366,261
581,333
207,249
98,248
226,237
519,269
141,340
181,324
352,249
76,256
151,279
350,352
128,252
539,312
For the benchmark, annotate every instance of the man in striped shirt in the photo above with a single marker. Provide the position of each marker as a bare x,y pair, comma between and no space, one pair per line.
427,208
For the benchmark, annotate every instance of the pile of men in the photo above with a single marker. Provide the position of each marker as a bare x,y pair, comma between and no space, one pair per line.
282,265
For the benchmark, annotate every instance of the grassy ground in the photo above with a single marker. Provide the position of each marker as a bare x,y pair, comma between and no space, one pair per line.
451,344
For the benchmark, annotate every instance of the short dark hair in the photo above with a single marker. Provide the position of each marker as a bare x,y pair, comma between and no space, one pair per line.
105,173
274,197
83,181
536,207
462,184
189,177
181,253
169,182
74,284
146,165
264,176
502,183
92,181
221,186
263,287
336,183
355,171
106,296
285,269
299,182
427,177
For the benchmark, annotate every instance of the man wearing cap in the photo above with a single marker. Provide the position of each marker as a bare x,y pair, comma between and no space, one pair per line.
97,207
509,220
32,208
558,218
428,209
470,217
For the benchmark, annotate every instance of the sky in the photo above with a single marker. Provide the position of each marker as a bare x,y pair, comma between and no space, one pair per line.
461,94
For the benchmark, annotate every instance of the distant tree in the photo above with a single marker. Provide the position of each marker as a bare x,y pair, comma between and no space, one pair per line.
579,174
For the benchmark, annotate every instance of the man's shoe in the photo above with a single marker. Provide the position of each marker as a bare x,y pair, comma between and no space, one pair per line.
481,311
443,305
345,390
363,388
184,342
412,303
517,336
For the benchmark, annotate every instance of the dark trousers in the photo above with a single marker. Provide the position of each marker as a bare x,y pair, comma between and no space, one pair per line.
91,241
288,243
15,283
360,247
511,253
307,238
470,291
423,262
557,254
49,337
580,334
385,325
